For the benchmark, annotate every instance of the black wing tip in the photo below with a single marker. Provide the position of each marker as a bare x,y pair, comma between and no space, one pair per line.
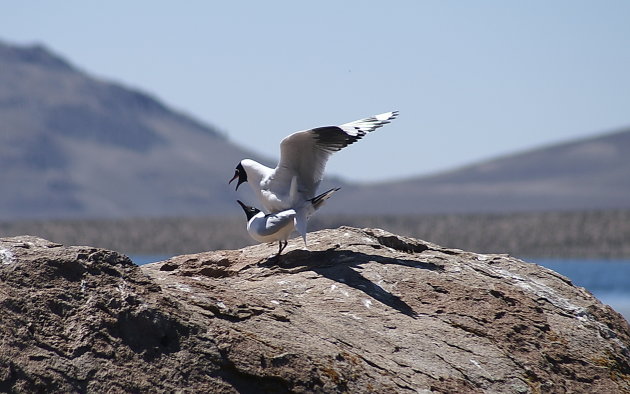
334,138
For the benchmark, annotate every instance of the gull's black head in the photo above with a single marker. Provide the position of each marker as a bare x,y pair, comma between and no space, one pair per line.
250,212
240,174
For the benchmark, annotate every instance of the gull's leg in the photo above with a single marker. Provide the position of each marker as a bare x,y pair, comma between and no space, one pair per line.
276,258
282,246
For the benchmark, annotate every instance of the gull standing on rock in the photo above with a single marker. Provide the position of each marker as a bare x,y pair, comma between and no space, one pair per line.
279,226
303,157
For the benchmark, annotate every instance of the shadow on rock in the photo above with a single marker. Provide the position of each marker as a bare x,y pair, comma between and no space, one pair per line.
344,266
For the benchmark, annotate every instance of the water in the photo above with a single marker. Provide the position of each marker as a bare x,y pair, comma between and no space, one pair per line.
146,259
608,280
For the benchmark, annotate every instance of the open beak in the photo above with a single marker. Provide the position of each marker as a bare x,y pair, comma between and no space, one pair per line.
237,183
240,175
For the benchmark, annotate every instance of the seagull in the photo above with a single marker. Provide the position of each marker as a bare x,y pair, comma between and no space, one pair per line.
303,157
279,226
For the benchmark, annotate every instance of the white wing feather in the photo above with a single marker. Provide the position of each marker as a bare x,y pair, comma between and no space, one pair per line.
305,153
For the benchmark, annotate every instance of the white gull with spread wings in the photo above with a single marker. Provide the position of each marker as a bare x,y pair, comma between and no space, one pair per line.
303,157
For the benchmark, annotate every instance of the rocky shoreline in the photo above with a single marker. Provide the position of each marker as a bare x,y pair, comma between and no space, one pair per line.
362,310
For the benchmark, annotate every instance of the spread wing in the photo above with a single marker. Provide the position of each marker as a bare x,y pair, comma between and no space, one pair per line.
304,154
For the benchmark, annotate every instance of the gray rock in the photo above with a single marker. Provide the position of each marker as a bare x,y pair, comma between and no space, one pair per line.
363,310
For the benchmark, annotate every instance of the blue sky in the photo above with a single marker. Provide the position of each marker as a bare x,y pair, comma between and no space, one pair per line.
472,80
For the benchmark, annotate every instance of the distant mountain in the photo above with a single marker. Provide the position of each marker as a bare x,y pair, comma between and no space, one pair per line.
72,146
75,146
592,173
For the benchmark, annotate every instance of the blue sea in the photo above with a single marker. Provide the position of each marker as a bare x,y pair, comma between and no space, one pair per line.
608,280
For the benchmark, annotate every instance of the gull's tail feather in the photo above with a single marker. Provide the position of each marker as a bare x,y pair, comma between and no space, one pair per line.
303,213
319,200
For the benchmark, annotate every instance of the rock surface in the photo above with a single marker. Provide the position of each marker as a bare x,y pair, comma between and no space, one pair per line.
362,311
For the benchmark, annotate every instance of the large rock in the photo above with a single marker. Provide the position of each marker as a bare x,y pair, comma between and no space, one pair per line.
363,310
